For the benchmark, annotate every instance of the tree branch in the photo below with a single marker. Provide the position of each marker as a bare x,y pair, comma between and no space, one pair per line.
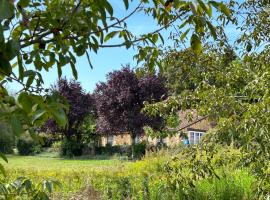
93,32
188,125
142,38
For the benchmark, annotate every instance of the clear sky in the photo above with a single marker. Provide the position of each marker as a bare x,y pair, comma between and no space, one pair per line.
109,59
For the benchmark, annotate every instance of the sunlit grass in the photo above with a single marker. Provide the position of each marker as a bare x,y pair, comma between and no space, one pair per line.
55,163
98,176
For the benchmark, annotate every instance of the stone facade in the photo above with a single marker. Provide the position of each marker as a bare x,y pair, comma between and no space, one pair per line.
192,125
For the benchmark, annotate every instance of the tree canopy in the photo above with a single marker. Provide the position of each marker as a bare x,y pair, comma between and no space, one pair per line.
80,104
119,102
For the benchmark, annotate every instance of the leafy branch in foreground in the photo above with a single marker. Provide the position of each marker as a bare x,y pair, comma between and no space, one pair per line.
24,188
50,34
236,97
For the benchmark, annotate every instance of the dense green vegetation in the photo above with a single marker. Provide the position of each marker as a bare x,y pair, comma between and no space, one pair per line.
149,178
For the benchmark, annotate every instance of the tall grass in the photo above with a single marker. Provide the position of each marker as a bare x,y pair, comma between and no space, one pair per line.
236,185
146,179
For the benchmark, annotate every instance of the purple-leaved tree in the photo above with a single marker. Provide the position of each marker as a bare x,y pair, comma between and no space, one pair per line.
80,104
119,102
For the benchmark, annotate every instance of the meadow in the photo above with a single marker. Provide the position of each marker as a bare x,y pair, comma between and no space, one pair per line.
97,178
73,174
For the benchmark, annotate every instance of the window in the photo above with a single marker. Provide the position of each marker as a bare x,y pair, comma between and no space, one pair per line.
137,139
110,140
195,137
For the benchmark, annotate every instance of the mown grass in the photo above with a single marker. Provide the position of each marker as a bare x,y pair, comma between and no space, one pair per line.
57,163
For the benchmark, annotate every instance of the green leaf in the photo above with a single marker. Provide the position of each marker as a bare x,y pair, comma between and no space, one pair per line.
2,170
185,23
24,3
221,7
193,8
89,61
126,4
16,125
203,6
209,10
38,64
110,35
179,4
3,157
184,35
25,101
11,50
6,9
17,32
225,9
196,43
59,69
2,38
60,117
155,38
20,67
212,29
109,8
74,70
249,47
5,67
161,38
38,114
30,80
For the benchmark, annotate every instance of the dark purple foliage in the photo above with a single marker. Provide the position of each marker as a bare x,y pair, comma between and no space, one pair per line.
80,103
119,102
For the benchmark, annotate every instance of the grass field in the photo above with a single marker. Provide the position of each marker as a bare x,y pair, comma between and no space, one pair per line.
74,174
56,163
99,178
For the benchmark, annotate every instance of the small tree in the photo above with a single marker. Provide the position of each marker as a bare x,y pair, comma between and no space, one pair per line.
81,105
119,102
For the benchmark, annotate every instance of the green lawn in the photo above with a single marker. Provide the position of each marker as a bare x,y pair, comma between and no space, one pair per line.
56,163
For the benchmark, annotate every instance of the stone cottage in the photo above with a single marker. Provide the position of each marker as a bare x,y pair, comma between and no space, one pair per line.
193,125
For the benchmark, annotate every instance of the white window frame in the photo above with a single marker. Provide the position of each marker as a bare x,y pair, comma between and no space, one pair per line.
137,139
197,136
110,139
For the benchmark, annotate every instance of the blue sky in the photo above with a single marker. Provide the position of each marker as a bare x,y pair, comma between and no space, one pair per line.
109,59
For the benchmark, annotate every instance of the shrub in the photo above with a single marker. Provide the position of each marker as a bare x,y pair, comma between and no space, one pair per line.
70,147
56,146
26,146
123,150
47,139
7,142
139,149
111,150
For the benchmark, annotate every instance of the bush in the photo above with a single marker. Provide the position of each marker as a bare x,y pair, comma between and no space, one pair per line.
123,150
139,149
47,139
56,146
70,147
111,150
7,142
26,146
